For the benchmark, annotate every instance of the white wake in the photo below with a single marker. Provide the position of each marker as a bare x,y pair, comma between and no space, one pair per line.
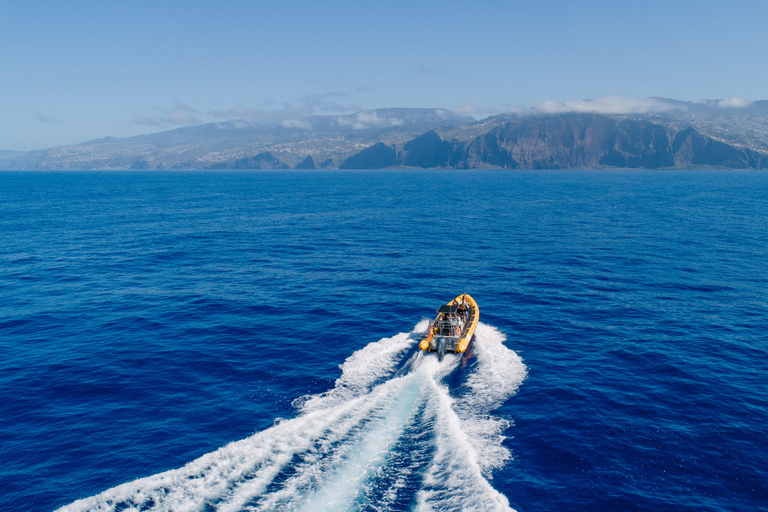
390,435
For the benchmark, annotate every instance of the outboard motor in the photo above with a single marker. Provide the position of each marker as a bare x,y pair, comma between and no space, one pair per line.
442,348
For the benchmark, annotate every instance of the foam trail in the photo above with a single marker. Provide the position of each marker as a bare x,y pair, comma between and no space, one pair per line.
345,485
229,476
363,369
468,440
332,470
390,435
499,374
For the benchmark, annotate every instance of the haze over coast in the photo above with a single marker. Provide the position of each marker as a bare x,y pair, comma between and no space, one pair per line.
608,132
84,70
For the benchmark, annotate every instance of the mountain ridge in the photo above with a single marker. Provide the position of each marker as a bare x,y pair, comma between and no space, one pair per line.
423,138
565,141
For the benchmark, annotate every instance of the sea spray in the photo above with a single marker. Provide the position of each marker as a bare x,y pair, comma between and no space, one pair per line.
467,437
389,435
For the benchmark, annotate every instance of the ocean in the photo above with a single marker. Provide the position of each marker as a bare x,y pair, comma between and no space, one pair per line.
248,341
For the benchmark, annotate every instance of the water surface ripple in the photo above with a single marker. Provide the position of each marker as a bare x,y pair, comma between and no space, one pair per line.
150,319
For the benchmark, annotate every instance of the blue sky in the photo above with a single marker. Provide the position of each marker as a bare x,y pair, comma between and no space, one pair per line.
72,71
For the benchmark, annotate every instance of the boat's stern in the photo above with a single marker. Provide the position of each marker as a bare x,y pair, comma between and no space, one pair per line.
443,344
453,328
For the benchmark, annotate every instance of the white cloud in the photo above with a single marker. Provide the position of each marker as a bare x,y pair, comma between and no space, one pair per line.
274,113
337,102
181,115
733,102
237,124
470,109
296,123
605,105
369,119
266,115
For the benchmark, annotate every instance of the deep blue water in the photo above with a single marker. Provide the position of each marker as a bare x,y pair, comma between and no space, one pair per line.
150,318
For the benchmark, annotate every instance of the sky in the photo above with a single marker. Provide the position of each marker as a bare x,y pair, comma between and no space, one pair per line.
72,71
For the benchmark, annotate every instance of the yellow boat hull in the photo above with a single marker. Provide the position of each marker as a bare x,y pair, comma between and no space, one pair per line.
466,334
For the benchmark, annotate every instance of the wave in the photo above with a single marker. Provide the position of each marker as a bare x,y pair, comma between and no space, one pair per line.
390,435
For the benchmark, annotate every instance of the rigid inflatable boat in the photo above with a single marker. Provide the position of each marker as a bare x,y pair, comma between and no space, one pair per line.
453,328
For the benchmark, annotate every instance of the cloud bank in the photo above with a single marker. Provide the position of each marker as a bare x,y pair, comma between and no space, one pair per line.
335,102
605,105
600,105
288,115
733,102
181,115
369,119
470,109
298,117
266,115
296,123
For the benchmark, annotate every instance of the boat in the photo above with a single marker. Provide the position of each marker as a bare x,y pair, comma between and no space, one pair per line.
453,327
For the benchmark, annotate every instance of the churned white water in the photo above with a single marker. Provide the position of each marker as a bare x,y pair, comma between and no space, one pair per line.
390,435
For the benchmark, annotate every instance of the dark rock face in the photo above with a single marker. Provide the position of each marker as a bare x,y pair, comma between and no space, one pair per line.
639,144
307,163
328,164
726,137
587,141
567,141
427,150
377,156
561,142
692,148
261,161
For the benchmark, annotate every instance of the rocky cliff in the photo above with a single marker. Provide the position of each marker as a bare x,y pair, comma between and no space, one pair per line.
378,156
567,141
684,134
